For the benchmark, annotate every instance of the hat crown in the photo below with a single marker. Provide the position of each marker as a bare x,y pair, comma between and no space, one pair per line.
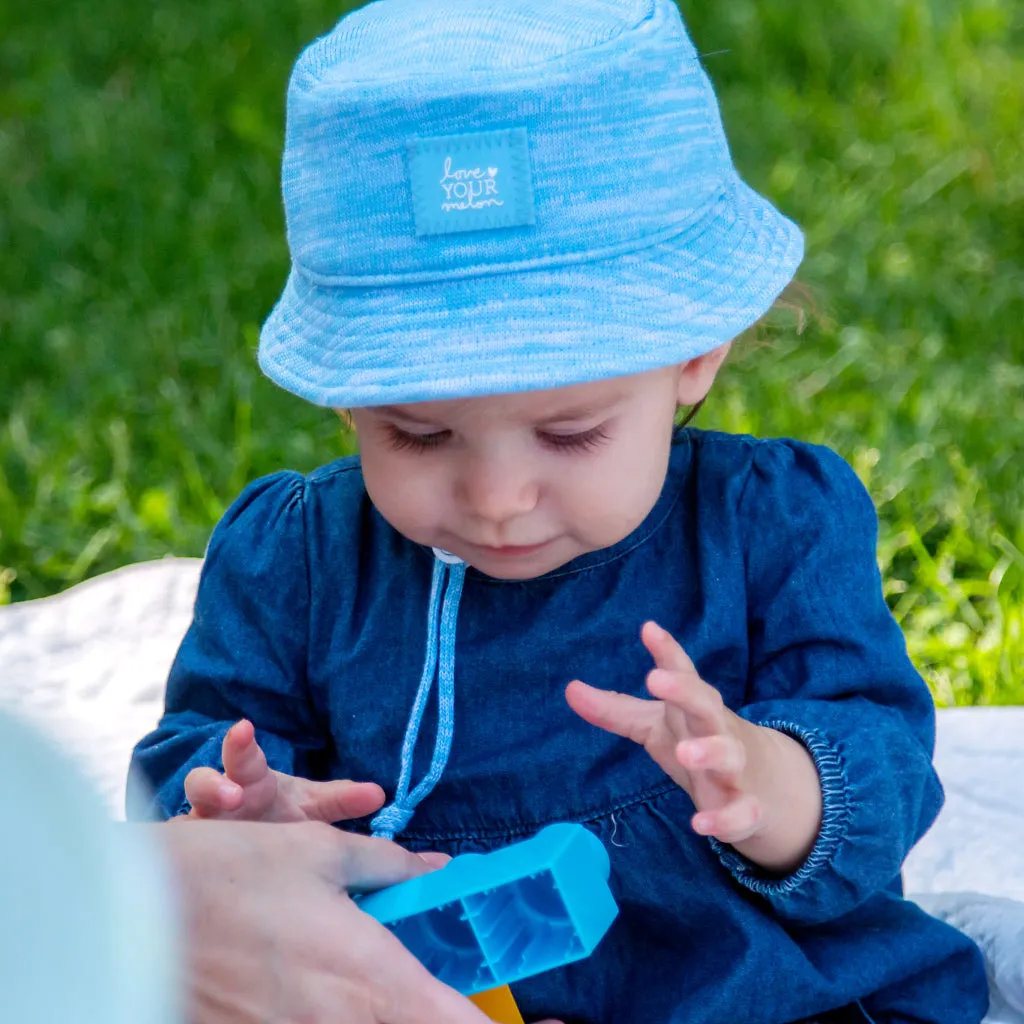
493,195
399,38
586,128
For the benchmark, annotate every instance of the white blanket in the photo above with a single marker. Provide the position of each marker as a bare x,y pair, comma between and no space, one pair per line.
88,667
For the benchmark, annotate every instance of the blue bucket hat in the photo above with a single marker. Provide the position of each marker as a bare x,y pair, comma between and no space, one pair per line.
487,196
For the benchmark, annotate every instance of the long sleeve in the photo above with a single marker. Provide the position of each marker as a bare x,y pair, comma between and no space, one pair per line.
828,665
244,654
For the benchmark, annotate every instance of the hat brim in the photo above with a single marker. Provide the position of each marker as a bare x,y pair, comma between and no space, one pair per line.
348,347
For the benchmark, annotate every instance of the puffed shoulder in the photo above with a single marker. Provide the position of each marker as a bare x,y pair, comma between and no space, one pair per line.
803,481
273,512
798,497
268,513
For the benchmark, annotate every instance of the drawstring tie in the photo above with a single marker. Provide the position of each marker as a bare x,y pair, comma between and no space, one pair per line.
394,818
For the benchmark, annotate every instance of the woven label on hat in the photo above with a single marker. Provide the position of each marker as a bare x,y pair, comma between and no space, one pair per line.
471,182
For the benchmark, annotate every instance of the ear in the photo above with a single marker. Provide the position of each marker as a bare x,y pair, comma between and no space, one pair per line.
697,375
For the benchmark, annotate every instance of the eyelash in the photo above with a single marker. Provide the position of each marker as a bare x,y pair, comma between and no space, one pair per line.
585,441
400,440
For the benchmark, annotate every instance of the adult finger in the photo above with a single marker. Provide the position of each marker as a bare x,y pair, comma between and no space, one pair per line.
429,1001
321,998
244,760
410,994
361,863
337,800
619,713
211,794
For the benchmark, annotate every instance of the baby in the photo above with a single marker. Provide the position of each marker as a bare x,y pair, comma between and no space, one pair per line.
519,246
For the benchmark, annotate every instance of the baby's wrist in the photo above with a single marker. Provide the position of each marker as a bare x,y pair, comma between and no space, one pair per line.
782,776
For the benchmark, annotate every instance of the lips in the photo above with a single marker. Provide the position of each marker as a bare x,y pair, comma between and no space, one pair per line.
514,549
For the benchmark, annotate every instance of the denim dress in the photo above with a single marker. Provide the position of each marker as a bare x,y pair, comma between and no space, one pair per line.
759,557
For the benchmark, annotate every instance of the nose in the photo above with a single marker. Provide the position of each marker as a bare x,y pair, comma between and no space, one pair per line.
499,489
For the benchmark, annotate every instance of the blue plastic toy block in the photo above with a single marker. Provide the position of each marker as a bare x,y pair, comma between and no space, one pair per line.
490,919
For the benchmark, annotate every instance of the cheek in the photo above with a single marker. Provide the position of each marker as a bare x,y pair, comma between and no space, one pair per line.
610,494
403,491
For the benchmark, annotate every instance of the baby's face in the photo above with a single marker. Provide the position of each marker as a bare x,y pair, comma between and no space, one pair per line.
517,485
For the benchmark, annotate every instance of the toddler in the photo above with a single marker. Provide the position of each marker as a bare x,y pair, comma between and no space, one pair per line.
519,245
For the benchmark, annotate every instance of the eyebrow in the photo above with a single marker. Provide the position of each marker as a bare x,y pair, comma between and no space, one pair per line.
574,412
399,413
582,412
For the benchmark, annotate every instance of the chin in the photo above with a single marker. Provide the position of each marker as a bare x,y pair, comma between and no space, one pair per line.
520,568
509,572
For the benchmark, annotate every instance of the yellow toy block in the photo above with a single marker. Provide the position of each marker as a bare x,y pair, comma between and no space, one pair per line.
499,1005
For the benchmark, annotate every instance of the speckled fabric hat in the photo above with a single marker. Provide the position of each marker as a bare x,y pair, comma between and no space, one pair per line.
488,196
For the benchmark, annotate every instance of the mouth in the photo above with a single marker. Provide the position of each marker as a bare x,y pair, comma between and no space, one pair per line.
513,550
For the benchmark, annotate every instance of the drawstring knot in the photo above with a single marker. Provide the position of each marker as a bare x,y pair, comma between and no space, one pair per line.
391,820
439,656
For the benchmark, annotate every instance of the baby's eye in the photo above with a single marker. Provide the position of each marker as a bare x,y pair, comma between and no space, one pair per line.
402,440
584,441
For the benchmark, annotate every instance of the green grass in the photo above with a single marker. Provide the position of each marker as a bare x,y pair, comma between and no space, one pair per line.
141,244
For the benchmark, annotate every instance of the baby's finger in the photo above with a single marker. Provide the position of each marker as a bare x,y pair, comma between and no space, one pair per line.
736,821
701,703
666,650
338,800
723,755
244,761
618,713
211,794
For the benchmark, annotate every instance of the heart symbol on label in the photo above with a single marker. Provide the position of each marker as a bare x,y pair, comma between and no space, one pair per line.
492,171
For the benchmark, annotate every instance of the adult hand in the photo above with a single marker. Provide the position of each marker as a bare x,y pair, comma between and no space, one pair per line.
273,937
753,787
250,790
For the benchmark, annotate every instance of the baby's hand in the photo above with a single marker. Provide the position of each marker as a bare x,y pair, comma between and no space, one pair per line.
250,790
689,732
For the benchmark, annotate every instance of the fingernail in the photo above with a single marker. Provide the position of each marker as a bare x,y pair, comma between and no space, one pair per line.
702,824
659,677
434,859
